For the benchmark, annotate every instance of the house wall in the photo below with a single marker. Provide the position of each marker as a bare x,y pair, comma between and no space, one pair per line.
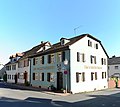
22,69
86,67
45,68
11,73
112,70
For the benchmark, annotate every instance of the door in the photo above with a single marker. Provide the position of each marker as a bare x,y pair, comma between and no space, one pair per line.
59,80
15,78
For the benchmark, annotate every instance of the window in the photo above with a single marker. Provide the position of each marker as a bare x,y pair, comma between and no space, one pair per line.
103,61
50,77
49,59
59,57
26,63
80,77
80,57
89,43
13,67
93,76
8,67
93,59
41,59
116,67
35,61
41,76
103,75
52,58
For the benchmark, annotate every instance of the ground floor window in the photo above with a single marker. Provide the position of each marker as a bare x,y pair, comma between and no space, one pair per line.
50,77
103,75
80,77
93,76
41,76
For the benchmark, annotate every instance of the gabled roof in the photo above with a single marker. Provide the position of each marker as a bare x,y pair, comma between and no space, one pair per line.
58,47
114,60
34,50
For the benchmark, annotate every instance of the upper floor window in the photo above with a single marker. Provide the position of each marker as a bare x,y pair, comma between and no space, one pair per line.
13,67
35,61
116,67
89,43
103,61
96,46
8,67
41,59
41,76
59,57
51,58
26,63
93,59
80,77
80,57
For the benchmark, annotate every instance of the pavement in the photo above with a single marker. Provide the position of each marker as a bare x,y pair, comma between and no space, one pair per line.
30,88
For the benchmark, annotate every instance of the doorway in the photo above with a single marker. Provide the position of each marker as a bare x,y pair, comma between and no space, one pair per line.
59,80
15,78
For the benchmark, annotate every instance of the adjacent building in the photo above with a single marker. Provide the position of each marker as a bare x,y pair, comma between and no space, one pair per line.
12,68
76,64
114,67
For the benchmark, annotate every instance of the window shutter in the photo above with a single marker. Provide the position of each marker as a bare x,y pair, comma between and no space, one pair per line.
83,57
77,77
83,76
33,61
91,59
95,75
63,56
102,61
42,76
95,59
42,59
33,76
78,57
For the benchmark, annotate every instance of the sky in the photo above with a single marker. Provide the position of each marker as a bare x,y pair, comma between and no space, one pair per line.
25,23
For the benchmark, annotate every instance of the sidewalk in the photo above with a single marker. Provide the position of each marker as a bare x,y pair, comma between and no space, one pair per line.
30,88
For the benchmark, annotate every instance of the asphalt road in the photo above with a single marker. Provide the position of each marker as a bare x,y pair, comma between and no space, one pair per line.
13,96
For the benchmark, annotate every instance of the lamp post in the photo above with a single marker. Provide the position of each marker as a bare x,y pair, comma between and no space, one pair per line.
66,72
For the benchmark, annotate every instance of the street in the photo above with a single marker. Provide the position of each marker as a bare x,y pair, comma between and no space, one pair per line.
18,97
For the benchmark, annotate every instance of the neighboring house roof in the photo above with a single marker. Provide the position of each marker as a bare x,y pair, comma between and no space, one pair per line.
58,47
34,50
114,60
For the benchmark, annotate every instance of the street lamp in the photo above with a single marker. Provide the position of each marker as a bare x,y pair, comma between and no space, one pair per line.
66,72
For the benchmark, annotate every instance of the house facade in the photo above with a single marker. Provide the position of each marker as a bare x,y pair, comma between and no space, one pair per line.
77,64
12,68
114,67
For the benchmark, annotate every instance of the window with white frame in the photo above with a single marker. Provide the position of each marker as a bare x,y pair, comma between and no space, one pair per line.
93,59
103,61
50,77
13,67
41,59
80,77
89,43
116,67
104,75
80,57
42,76
93,76
59,56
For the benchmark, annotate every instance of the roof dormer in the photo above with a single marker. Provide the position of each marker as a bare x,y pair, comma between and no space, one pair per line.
64,41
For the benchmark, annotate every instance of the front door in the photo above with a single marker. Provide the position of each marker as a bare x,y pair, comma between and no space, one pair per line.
15,78
59,80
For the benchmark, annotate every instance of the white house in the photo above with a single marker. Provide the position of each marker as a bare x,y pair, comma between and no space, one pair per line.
12,68
76,64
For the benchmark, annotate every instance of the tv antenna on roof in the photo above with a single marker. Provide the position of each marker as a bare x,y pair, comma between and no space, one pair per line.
76,29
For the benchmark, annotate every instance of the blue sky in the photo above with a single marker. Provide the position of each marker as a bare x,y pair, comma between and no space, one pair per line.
25,23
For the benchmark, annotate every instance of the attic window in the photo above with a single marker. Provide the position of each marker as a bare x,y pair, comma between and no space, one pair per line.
62,42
